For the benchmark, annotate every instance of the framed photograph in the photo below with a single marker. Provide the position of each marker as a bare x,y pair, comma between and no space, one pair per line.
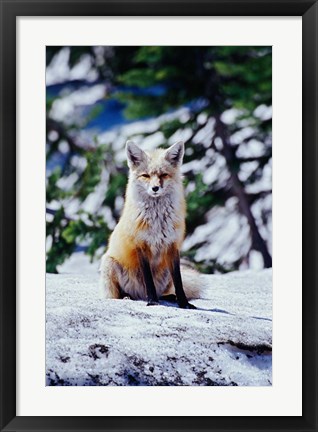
158,217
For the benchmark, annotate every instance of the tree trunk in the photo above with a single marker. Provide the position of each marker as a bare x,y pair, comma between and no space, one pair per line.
237,187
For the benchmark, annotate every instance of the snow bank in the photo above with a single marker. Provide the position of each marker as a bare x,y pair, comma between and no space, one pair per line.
90,341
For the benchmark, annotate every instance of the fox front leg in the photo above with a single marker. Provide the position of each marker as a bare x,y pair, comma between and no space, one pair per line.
176,277
150,286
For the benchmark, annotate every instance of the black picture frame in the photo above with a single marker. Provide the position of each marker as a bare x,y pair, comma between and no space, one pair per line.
10,10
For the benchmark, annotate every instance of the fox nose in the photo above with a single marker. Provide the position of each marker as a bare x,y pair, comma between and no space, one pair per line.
155,188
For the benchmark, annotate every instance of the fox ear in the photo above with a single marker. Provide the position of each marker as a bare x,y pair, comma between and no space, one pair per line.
175,153
134,154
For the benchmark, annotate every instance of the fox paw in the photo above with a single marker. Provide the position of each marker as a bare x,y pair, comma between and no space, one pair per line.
188,306
152,303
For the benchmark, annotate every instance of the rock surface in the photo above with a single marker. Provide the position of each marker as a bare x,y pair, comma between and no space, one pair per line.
90,341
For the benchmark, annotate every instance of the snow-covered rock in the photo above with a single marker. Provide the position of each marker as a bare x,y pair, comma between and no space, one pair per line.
227,341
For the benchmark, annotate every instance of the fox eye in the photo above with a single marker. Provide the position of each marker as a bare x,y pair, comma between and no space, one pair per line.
165,175
145,175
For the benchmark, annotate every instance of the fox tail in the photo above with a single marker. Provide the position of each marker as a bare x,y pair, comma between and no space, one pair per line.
194,283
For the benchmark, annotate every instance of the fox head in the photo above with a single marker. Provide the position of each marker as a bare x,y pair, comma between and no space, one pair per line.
155,173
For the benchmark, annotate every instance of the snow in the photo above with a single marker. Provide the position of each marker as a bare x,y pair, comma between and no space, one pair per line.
230,116
225,235
227,341
251,149
263,112
59,71
242,134
63,108
80,260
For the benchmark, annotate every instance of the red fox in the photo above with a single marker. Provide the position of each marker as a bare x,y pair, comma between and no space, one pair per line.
143,256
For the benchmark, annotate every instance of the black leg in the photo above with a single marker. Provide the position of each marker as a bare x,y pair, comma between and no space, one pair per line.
150,286
176,276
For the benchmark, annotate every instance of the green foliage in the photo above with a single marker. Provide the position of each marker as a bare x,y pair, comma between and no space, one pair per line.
78,230
198,201
74,230
98,234
66,234
117,185
52,190
225,76
91,175
171,127
139,106
61,248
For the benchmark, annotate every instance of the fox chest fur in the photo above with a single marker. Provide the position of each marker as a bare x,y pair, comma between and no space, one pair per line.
160,224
